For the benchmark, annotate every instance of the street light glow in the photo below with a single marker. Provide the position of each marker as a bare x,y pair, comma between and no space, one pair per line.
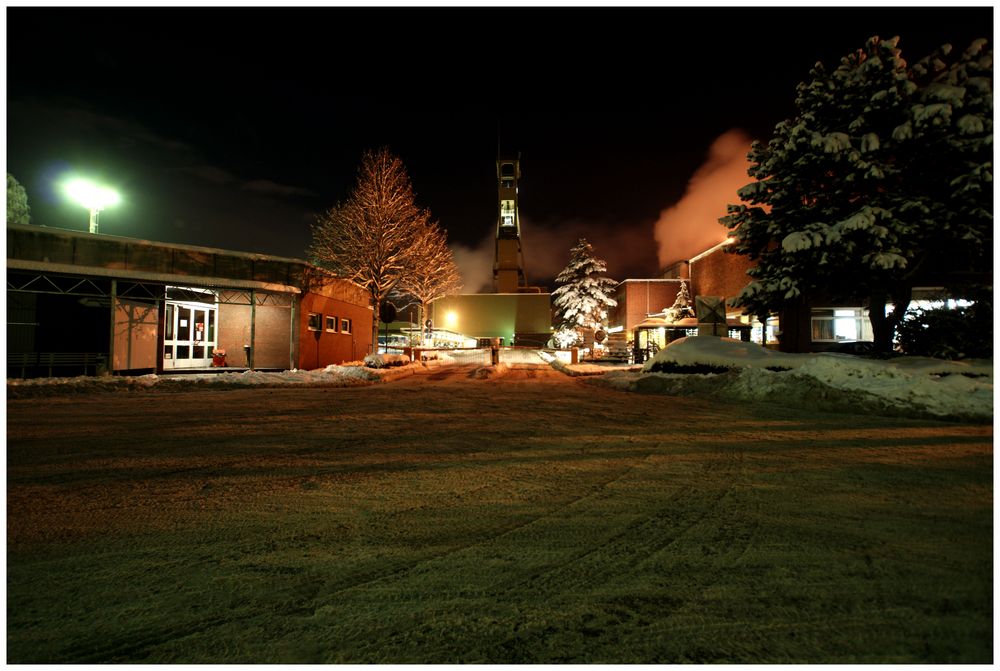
93,197
90,195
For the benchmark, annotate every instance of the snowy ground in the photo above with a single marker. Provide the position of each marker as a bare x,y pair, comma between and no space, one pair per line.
910,386
525,516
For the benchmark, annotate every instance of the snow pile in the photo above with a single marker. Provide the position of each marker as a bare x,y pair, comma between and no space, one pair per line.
331,376
490,372
911,386
572,369
724,352
386,360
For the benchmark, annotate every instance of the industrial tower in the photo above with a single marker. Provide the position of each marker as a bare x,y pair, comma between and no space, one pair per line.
508,262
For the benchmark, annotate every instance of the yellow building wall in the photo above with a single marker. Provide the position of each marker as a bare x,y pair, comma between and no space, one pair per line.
494,315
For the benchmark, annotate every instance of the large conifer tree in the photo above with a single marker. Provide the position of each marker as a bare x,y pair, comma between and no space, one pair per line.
883,168
584,293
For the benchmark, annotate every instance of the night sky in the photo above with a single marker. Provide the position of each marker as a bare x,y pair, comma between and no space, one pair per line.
233,127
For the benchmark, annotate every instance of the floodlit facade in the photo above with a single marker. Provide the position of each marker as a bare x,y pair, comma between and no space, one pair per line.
82,303
516,319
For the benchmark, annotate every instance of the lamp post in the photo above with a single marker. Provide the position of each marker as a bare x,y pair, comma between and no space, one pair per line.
93,197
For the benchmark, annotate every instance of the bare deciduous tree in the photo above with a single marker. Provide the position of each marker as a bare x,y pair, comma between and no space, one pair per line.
371,238
434,274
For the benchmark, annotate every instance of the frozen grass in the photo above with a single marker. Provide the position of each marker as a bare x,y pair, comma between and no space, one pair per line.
523,517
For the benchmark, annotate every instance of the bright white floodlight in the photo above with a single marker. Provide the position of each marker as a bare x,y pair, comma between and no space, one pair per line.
93,197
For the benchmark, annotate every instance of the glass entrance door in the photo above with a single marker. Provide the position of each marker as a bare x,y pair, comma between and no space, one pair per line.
189,334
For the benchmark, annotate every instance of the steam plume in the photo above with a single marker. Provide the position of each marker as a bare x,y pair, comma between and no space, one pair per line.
692,225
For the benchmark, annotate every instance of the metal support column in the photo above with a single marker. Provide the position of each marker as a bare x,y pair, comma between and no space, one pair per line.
293,335
111,338
253,327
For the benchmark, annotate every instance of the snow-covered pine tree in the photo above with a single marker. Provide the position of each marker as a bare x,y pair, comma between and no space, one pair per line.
584,293
682,305
952,122
846,197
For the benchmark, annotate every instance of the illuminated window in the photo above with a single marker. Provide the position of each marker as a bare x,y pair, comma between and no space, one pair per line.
345,325
169,323
759,335
314,321
506,212
840,325
331,324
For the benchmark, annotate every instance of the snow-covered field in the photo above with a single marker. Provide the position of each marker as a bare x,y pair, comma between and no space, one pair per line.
911,386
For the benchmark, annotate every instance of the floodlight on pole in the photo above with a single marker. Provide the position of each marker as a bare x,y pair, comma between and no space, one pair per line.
93,197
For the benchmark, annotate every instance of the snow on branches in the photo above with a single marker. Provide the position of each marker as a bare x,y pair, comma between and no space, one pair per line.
584,293
885,170
372,237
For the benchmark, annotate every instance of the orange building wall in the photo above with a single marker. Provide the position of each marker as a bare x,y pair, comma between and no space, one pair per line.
340,299
638,298
719,274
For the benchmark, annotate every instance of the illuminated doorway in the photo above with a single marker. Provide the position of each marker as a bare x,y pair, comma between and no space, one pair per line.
189,328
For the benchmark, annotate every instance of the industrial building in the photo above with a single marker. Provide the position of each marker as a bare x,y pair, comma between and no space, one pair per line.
79,303
515,313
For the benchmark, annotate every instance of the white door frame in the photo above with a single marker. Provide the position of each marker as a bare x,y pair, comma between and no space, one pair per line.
190,333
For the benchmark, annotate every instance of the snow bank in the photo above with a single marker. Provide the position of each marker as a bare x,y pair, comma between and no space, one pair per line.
574,369
911,386
386,360
907,386
724,352
331,376
490,372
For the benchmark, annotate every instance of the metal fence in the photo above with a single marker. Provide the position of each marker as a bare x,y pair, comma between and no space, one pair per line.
475,356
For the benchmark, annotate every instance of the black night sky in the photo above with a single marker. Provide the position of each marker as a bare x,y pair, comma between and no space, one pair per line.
233,127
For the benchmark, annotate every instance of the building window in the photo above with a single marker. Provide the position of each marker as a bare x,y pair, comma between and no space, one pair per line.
314,321
331,324
764,333
840,325
345,325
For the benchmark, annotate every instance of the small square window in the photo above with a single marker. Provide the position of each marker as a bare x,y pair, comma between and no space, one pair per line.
345,325
314,321
331,324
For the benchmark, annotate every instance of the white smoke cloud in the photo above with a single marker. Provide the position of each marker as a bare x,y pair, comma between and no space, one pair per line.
475,265
631,249
692,225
